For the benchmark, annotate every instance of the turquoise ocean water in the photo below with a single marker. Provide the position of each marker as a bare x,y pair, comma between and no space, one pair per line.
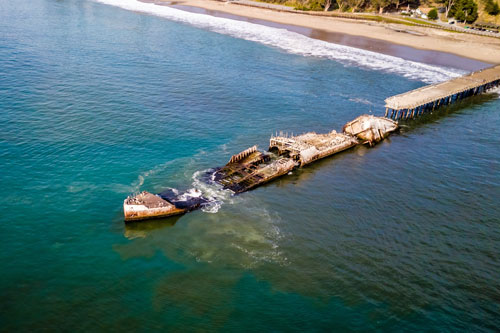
99,102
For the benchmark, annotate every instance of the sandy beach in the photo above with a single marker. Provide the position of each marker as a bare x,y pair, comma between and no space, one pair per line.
484,49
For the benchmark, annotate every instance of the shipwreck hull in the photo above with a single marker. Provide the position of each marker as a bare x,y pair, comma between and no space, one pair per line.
370,129
309,147
252,168
145,206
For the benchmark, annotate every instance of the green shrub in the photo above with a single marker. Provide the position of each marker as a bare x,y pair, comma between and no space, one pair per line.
492,8
315,5
464,10
433,14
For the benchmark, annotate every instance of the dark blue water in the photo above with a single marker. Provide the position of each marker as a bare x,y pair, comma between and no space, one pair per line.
99,102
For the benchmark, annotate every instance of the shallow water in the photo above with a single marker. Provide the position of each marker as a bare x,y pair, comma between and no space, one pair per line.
99,102
360,42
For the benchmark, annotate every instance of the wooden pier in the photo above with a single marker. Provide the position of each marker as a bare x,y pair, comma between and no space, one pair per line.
416,102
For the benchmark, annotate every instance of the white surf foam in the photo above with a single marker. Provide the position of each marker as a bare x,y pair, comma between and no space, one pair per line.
495,90
295,43
211,191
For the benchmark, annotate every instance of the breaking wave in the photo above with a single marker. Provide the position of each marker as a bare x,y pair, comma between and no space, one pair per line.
205,193
204,182
295,43
496,90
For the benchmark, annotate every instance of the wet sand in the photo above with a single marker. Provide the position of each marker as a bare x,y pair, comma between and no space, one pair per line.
426,45
370,44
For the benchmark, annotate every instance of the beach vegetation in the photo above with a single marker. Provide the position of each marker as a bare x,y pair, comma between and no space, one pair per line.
417,21
464,10
342,5
310,5
459,14
316,5
433,14
448,4
381,5
492,8
356,5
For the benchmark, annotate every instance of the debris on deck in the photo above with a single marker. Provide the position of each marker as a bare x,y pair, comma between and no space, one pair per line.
146,205
309,147
255,168
370,129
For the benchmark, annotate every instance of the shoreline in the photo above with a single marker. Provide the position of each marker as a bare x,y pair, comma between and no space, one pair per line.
374,45
426,45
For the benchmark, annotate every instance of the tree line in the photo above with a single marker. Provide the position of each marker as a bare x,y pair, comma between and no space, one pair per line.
352,5
461,10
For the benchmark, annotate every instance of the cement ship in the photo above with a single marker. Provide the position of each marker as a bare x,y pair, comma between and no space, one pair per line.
251,167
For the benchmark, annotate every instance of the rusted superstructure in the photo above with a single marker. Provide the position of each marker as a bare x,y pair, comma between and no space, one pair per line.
251,167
